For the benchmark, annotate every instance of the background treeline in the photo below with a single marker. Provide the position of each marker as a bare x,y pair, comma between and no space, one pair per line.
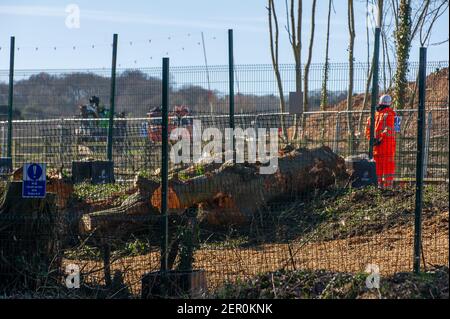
46,95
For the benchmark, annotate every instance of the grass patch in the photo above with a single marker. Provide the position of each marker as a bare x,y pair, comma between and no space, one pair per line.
87,191
321,284
338,214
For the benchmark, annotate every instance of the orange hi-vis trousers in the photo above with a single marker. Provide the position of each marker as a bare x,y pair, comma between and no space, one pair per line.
385,166
384,153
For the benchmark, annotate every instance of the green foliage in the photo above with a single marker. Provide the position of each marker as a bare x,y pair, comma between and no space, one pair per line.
341,213
92,192
188,236
199,169
135,248
85,252
321,284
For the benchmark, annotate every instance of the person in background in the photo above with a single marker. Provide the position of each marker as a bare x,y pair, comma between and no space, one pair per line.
384,141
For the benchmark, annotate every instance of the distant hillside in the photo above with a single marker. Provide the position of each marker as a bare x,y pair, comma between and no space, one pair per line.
46,95
436,96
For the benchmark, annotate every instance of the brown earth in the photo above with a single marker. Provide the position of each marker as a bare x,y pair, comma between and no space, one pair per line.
436,94
391,250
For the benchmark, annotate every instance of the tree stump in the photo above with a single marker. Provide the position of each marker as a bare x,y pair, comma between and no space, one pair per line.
29,240
180,284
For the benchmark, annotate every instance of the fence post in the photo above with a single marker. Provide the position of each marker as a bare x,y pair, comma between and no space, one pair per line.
61,142
10,97
374,94
427,144
112,99
164,172
231,87
337,134
420,159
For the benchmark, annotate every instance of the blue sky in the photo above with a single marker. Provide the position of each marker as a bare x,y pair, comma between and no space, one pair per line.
149,30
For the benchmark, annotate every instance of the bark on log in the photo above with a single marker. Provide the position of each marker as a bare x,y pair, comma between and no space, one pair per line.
234,193
134,211
231,194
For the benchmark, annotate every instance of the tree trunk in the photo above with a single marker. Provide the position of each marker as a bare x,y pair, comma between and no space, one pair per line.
231,194
234,193
324,93
29,242
402,46
351,29
296,43
135,211
307,66
272,15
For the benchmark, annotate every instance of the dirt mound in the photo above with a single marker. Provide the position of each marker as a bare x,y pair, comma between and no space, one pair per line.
436,96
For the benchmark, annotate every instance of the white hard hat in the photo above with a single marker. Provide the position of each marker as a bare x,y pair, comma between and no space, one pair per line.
385,99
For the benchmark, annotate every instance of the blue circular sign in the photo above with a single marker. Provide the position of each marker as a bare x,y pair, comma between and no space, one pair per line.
34,171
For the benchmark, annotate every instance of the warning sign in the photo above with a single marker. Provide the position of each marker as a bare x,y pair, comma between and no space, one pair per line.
34,180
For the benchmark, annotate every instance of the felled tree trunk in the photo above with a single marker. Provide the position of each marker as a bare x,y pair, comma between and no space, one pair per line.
29,241
134,211
231,194
234,193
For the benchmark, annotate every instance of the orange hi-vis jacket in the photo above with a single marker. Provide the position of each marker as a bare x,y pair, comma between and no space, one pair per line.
384,153
384,131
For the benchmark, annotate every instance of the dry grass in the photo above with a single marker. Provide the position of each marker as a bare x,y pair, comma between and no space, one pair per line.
391,250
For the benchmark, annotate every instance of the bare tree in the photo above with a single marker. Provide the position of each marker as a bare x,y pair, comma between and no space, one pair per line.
307,67
432,14
352,35
308,61
294,33
274,47
379,21
295,40
428,13
324,92
368,38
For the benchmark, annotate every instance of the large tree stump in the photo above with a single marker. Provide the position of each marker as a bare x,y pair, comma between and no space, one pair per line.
29,241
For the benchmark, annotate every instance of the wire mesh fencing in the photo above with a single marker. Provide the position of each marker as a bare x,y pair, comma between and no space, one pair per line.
137,141
227,222
44,94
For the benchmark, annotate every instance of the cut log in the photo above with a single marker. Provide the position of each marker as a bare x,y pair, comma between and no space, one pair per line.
236,192
29,240
134,211
63,189
231,194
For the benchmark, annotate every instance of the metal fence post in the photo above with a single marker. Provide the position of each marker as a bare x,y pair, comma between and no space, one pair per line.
61,142
374,97
4,147
231,87
112,100
10,97
427,144
420,159
337,133
164,172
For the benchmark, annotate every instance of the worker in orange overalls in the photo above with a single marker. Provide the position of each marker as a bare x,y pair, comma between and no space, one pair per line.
384,141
